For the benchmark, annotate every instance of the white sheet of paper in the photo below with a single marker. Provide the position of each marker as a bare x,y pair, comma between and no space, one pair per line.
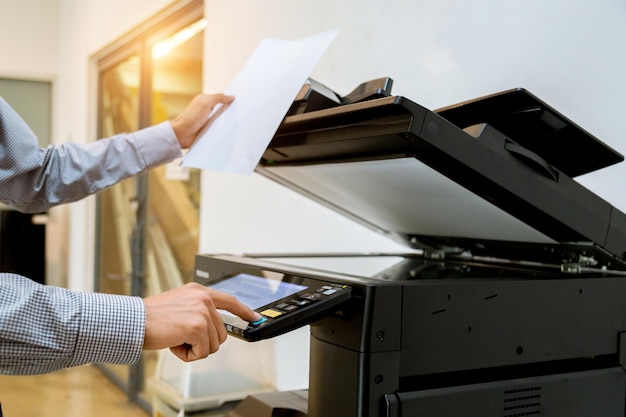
264,90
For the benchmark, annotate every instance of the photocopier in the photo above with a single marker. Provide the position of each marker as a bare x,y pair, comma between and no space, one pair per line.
510,300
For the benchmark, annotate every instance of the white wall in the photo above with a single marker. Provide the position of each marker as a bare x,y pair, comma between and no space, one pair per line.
438,52
28,39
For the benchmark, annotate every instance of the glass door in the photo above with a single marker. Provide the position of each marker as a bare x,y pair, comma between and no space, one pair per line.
117,206
148,226
171,228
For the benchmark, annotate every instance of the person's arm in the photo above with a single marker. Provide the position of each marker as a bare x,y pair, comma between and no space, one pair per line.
45,328
32,179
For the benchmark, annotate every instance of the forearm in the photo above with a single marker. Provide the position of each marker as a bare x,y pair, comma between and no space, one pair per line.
43,328
70,172
32,179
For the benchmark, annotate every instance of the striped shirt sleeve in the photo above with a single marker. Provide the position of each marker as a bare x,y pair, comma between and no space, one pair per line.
45,328
33,179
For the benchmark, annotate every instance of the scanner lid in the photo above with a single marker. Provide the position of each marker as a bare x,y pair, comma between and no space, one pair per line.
491,177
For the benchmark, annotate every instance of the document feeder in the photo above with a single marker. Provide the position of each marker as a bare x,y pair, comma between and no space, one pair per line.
510,298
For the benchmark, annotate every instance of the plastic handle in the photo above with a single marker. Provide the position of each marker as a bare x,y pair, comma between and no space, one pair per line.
532,159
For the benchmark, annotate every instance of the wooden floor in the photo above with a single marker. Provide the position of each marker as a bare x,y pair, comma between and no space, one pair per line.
78,392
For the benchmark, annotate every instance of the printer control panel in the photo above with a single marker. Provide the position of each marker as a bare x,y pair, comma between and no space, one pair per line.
285,302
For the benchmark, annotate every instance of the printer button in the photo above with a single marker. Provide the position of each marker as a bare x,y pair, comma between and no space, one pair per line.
310,297
271,313
259,321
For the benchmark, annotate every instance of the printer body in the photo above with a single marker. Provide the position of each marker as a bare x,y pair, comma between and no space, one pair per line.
510,300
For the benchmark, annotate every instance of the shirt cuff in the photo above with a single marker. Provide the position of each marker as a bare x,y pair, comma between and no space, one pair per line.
157,144
112,329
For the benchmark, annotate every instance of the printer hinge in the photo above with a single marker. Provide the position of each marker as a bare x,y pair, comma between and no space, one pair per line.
434,254
584,263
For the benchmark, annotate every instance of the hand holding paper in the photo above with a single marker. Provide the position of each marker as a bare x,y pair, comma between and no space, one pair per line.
264,91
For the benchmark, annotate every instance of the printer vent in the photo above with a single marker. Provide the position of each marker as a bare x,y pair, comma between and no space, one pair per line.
522,402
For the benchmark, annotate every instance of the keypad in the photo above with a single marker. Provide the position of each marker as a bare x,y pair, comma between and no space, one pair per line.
300,301
291,305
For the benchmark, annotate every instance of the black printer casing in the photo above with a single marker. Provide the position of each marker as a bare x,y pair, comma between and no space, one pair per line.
469,325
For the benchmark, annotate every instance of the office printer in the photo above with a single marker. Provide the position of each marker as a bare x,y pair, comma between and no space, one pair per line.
510,300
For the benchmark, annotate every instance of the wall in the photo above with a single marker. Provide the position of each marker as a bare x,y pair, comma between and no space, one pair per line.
28,41
438,52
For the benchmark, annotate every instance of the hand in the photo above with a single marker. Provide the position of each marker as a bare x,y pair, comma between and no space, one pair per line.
186,320
195,117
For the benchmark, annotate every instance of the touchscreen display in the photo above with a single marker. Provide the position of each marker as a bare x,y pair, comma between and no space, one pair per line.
256,291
